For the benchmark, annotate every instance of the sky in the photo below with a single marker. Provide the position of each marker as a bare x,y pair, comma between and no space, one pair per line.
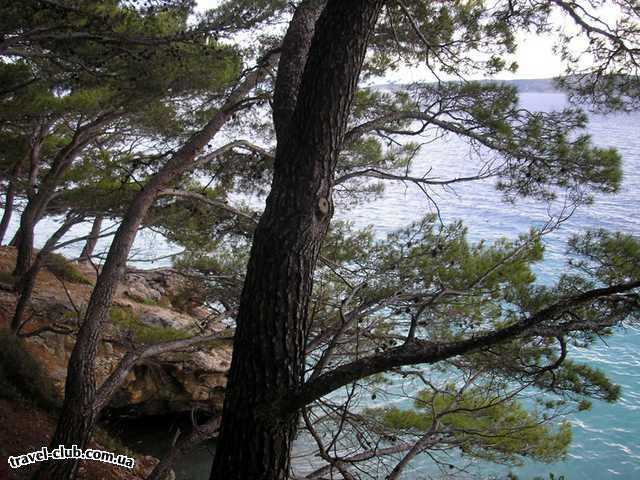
534,55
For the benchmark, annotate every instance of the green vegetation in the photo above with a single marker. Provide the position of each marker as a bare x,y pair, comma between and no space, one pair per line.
126,319
7,277
161,302
482,425
21,377
63,269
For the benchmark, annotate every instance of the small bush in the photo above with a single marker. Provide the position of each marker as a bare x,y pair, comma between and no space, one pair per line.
126,319
162,302
143,301
64,270
21,377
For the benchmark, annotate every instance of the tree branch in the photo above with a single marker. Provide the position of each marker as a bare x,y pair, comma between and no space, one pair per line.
420,351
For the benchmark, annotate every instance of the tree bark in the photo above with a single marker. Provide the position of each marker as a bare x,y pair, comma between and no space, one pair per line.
27,219
268,356
8,208
295,50
24,239
78,416
92,241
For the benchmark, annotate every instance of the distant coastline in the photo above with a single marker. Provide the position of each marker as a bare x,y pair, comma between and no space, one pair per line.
535,85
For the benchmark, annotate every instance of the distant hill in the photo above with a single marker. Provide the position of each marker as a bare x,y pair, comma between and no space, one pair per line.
536,85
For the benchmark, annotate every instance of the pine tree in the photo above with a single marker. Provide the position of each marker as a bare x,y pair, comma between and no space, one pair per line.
322,307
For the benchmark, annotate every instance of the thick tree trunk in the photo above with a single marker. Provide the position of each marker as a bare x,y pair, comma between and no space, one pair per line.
92,241
268,357
79,410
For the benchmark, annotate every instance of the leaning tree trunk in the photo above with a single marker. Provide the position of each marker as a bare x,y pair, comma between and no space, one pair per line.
34,157
78,416
92,241
38,201
268,356
27,283
24,242
79,410
8,209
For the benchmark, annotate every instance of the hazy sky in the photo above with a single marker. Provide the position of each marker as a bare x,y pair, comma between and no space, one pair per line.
534,56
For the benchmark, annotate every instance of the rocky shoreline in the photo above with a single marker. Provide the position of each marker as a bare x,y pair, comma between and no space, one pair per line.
151,306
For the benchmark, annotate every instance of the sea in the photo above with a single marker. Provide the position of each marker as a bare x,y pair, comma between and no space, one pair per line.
606,439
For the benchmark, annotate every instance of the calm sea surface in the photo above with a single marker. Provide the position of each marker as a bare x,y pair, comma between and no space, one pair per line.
607,438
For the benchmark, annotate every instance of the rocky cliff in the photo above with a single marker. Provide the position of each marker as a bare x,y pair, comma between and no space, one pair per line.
151,306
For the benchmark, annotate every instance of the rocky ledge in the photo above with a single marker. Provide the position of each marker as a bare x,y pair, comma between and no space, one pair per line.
151,306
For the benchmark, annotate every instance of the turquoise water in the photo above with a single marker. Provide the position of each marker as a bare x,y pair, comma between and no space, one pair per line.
607,438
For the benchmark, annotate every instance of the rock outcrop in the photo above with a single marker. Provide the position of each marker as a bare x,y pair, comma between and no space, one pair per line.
149,307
